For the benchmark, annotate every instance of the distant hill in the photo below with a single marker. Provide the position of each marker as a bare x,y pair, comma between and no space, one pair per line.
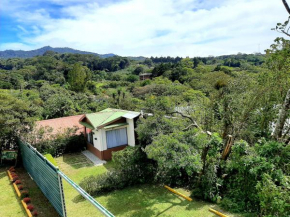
39,52
140,58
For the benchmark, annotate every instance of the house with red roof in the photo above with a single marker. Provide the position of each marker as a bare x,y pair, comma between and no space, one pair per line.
105,131
60,125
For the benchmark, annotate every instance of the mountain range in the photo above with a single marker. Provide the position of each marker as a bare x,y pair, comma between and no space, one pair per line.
39,52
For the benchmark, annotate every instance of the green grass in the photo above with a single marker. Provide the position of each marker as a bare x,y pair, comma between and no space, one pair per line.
50,159
141,201
10,203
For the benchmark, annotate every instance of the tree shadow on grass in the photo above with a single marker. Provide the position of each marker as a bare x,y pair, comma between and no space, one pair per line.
3,174
145,201
77,160
110,165
78,199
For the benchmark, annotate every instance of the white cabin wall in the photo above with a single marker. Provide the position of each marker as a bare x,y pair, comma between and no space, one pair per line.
104,139
130,132
97,137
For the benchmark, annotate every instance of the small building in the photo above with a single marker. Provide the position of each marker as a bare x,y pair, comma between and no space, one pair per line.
145,76
109,130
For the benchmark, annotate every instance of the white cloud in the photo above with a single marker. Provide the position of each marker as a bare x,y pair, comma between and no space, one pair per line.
15,46
163,27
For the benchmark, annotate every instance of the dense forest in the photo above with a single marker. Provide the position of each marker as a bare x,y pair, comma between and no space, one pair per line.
217,125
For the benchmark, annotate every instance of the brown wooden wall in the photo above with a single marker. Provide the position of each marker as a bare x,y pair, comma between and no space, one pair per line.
104,155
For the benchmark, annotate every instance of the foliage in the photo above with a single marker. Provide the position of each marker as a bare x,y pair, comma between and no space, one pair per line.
274,200
150,127
138,70
78,77
187,100
16,118
58,143
129,171
176,156
248,168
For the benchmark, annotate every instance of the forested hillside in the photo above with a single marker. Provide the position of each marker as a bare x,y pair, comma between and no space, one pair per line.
39,52
196,105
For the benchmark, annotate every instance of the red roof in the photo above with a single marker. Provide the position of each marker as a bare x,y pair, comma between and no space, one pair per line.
61,124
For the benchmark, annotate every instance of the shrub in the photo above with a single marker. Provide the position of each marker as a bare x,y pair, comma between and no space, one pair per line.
30,207
61,143
20,187
15,178
27,200
248,186
34,213
13,174
24,194
132,167
274,197
12,169
75,144
17,182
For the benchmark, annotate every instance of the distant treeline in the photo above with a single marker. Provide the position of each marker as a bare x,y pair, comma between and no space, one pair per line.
225,60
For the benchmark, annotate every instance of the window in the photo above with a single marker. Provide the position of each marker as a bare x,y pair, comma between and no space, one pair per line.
90,137
117,137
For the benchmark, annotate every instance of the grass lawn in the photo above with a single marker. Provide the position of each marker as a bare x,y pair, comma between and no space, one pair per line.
143,200
10,203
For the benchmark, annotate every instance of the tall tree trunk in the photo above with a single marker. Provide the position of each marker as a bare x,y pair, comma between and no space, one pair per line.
282,117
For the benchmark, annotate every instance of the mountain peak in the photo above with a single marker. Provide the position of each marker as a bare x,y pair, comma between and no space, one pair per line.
39,52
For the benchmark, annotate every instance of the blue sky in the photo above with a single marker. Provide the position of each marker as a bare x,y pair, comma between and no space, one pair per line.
138,27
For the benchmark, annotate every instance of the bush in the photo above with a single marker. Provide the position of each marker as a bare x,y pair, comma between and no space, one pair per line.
17,182
15,178
34,213
13,175
20,187
12,169
24,194
274,198
132,78
61,143
75,144
27,200
132,167
248,186
30,207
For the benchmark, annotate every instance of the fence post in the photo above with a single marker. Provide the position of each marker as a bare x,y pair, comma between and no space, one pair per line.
62,195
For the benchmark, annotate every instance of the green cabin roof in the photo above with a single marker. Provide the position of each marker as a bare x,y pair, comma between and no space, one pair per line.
104,117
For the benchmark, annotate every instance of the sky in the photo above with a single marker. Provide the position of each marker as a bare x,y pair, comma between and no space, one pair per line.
142,27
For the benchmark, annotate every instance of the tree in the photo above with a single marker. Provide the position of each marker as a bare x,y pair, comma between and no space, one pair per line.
282,117
278,80
58,105
283,27
138,70
16,118
78,77
148,62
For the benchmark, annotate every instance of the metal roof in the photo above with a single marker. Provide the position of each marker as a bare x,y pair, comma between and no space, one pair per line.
107,116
